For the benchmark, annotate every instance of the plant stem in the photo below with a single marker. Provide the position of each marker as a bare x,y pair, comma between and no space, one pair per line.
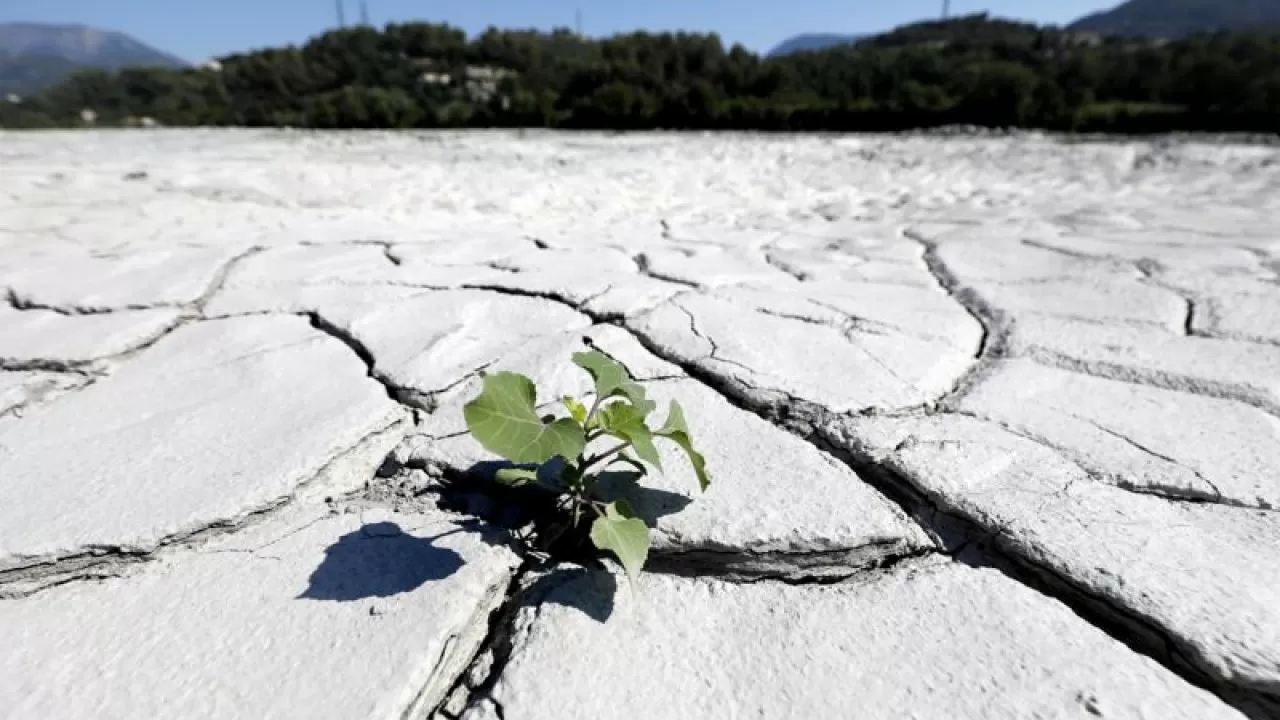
607,453
547,542
594,407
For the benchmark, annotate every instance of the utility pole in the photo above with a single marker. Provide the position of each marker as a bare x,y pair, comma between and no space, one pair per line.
342,15
946,8
364,13
577,21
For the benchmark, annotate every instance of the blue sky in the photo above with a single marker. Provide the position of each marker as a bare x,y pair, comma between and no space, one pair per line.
198,29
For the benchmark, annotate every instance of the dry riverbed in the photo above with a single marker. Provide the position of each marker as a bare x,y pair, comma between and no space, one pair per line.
994,425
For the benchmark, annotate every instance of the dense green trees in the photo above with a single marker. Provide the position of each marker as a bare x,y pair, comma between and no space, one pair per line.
969,70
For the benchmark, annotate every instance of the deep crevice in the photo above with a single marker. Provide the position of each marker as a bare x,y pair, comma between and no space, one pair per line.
1138,633
93,367
100,562
779,265
1112,480
82,368
642,264
693,328
956,533
870,573
816,567
1158,379
418,708
1204,497
476,683
537,294
188,313
197,304
390,254
414,399
992,321
220,278
36,397
994,548
25,304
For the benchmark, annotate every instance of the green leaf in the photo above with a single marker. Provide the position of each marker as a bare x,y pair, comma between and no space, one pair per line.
577,410
676,430
622,421
675,421
612,379
516,476
627,459
608,373
620,532
503,420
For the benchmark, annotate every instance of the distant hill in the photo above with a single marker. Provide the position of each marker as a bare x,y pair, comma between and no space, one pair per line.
33,73
801,43
973,28
1179,18
35,56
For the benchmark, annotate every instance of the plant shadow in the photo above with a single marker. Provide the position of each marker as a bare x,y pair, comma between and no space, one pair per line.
649,504
380,560
590,592
588,588
475,492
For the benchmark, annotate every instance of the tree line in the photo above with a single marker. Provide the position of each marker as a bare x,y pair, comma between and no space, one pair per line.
972,71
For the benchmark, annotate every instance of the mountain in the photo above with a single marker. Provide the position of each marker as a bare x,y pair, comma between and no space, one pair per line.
817,41
1178,18
33,73
82,45
35,56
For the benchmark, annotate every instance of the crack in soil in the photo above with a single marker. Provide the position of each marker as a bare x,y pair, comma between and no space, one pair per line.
386,245
36,396
82,368
1158,379
26,304
715,348
995,547
642,265
992,321
93,367
956,533
413,399
194,307
31,575
1119,482
959,530
475,684
450,671
800,275
811,567
1217,493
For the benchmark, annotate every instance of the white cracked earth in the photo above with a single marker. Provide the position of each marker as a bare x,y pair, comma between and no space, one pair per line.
994,425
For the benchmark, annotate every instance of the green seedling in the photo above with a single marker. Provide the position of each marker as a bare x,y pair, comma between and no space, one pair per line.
552,452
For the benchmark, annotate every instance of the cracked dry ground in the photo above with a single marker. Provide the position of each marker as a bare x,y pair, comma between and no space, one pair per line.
994,425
